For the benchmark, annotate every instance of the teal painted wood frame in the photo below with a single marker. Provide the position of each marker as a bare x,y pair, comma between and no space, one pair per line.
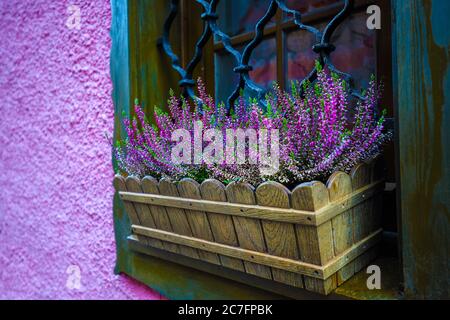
421,41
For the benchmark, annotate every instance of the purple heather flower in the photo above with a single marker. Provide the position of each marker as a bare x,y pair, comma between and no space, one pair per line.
318,133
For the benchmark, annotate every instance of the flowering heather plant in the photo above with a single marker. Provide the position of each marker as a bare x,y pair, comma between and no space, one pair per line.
319,132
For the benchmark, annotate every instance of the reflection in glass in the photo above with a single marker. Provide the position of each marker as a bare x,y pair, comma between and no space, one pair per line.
237,17
307,6
300,57
264,63
355,49
263,60
225,78
354,54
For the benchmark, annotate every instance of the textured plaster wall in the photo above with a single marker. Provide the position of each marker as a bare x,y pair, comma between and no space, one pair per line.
55,164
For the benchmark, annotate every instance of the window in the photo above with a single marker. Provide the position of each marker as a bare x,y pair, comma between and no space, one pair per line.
286,50
143,70
285,53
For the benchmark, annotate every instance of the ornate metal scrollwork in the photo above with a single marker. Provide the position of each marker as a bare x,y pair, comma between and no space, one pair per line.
323,47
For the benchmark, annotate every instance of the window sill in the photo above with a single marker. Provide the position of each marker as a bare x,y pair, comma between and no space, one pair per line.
213,283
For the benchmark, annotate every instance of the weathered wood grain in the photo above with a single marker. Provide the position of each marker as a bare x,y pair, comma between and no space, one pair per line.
280,236
249,231
362,215
322,273
150,185
120,185
177,217
189,188
278,245
351,255
145,217
315,243
222,226
243,210
261,259
422,73
295,216
378,171
346,203
339,185
361,176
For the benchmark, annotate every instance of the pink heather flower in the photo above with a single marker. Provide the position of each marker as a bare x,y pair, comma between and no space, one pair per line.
318,133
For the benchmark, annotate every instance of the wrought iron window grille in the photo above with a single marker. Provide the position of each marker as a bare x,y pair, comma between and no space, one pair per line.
323,47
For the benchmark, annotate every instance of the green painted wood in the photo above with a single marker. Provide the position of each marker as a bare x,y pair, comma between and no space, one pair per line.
422,91
151,76
121,98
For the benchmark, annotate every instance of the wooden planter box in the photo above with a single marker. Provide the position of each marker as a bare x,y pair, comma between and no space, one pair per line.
314,237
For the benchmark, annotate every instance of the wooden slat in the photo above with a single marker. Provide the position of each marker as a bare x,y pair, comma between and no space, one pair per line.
248,231
348,202
319,272
177,216
351,255
340,186
280,236
145,217
120,186
189,188
378,172
362,213
360,176
259,212
315,243
222,225
260,259
150,185
234,209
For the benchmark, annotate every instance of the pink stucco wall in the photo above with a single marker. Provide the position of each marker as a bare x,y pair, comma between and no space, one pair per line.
55,164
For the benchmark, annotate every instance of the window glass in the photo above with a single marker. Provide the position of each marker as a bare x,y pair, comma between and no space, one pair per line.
263,60
300,57
355,49
307,6
355,46
264,63
225,78
236,17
